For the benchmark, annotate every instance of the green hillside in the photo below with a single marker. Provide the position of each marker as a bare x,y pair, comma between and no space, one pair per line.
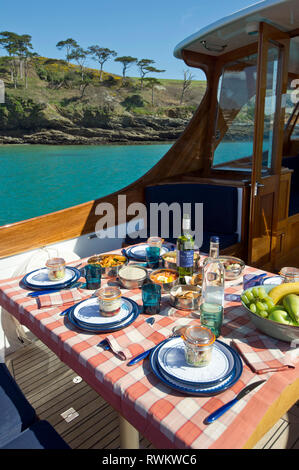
54,91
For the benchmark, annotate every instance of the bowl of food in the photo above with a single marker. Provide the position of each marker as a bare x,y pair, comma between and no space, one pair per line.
132,276
169,260
233,267
274,309
110,264
184,297
166,278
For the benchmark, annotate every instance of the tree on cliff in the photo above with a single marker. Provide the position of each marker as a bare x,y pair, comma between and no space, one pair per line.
69,44
145,67
187,82
19,49
101,55
152,83
127,62
79,55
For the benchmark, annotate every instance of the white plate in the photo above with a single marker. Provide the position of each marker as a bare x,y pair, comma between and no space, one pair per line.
88,312
171,358
140,251
40,278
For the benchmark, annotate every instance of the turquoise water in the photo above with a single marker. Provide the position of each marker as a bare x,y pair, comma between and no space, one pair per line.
38,179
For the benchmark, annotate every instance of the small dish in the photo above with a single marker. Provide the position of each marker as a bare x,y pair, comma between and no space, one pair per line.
132,276
166,278
185,297
233,267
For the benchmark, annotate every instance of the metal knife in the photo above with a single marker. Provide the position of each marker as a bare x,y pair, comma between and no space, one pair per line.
220,411
104,343
146,353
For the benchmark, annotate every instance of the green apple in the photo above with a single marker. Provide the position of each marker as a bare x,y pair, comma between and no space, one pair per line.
280,316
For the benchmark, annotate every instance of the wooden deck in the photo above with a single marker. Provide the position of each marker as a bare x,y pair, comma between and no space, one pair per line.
83,418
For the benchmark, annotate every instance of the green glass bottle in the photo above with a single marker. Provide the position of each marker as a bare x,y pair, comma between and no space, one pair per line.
185,250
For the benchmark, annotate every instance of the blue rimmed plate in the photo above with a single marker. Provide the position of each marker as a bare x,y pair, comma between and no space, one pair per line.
138,252
171,360
197,390
106,328
87,312
38,279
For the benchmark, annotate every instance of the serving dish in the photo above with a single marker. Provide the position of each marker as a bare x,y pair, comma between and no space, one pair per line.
185,297
166,278
233,267
110,264
271,328
132,276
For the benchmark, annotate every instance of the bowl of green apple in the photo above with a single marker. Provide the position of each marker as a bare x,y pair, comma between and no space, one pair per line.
276,318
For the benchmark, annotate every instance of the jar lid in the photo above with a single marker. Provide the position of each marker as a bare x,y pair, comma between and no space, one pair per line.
289,272
155,241
199,336
54,262
108,293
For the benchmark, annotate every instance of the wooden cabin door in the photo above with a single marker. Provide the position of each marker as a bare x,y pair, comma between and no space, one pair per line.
271,85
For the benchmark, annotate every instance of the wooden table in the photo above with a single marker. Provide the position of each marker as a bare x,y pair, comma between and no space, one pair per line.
164,416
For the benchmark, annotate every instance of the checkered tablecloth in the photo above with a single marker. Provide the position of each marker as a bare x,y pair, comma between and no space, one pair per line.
165,416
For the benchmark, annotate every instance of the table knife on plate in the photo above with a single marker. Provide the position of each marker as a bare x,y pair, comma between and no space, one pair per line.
220,411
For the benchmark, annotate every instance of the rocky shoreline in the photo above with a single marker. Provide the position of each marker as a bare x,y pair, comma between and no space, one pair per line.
118,130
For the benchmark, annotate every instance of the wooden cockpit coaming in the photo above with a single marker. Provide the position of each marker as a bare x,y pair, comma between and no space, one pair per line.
189,159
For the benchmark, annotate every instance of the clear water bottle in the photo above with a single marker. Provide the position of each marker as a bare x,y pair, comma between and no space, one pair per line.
213,282
212,299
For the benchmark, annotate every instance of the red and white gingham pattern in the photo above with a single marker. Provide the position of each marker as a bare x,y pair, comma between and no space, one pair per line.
64,297
166,417
265,354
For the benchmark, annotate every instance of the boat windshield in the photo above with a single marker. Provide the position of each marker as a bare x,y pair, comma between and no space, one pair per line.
236,111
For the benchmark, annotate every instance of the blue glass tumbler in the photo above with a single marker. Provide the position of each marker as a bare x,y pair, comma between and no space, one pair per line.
93,275
153,257
151,298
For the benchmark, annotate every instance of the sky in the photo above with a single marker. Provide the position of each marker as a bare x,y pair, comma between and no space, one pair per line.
145,30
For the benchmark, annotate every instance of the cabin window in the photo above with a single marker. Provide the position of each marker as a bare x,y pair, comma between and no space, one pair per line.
235,120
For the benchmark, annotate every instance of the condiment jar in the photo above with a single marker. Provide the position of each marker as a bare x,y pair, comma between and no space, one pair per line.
109,299
199,342
56,268
289,274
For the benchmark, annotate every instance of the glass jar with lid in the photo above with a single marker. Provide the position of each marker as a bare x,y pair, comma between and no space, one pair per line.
289,274
199,342
109,299
56,269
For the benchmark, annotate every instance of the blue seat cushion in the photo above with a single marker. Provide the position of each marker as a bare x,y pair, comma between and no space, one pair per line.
220,203
293,164
41,435
16,413
220,210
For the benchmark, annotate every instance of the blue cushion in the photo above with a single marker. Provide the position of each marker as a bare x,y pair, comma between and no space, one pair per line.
220,210
41,435
220,203
16,413
293,164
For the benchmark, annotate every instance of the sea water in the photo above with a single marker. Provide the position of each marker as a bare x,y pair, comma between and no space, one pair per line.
39,179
